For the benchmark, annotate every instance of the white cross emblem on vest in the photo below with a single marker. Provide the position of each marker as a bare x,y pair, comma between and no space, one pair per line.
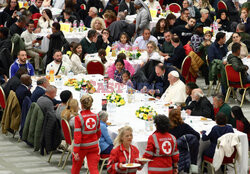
90,123
166,147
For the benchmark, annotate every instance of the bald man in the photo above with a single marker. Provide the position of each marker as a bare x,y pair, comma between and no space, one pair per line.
23,89
176,92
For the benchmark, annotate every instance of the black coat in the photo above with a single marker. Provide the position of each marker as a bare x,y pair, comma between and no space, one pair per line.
5,58
95,3
51,133
117,27
177,58
100,43
33,9
21,93
12,84
123,6
188,146
203,107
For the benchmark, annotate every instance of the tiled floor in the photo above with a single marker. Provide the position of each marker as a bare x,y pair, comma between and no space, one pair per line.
18,158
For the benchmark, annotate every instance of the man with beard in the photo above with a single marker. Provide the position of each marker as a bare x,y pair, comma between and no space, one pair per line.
58,66
185,32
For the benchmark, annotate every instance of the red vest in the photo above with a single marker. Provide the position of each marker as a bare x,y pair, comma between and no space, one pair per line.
162,149
87,131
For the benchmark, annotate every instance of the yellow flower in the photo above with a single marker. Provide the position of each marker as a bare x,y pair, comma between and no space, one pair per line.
145,116
122,102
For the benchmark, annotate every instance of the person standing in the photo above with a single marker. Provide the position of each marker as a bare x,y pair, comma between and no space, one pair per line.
86,137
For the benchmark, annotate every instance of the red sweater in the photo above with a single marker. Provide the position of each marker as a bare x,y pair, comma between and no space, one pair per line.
87,131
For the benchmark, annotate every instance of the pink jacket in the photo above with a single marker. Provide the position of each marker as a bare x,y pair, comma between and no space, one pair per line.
128,67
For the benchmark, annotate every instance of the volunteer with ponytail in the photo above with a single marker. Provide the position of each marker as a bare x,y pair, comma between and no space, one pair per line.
86,137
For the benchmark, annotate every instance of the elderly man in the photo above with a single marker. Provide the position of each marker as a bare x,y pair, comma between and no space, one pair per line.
45,102
200,105
176,92
21,61
92,14
218,102
142,41
23,89
59,66
42,84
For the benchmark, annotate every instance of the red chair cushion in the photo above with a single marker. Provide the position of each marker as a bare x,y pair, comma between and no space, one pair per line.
206,158
174,7
222,6
105,156
95,67
66,131
226,160
187,49
185,67
2,98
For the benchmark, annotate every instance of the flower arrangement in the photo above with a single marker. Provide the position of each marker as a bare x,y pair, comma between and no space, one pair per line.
116,98
80,84
143,113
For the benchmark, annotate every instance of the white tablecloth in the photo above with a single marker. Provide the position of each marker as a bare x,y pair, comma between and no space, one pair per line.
69,36
246,61
125,115
228,35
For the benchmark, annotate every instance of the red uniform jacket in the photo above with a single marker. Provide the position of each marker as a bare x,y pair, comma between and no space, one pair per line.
87,131
117,157
162,149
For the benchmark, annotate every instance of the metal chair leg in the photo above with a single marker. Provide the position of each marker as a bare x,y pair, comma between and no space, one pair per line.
66,160
210,88
62,157
217,87
103,163
243,97
235,169
202,167
228,94
50,156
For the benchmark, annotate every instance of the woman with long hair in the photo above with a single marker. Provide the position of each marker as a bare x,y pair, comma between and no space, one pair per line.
77,67
152,53
11,7
170,20
158,31
46,20
245,19
98,24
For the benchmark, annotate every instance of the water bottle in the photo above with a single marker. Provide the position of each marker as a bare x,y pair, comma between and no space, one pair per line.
55,20
81,26
75,25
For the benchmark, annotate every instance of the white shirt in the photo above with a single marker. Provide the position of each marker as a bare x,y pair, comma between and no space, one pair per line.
54,66
142,44
77,67
175,93
28,39
45,24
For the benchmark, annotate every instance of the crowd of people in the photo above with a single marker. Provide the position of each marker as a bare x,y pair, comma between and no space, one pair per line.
164,48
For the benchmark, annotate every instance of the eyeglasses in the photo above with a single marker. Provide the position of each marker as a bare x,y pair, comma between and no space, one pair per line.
105,33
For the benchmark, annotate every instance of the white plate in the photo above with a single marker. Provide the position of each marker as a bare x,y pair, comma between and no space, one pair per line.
135,165
144,160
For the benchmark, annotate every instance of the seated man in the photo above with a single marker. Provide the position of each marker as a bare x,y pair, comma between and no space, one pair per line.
178,55
42,84
19,26
5,41
45,102
67,16
182,20
14,82
142,41
58,65
21,61
200,105
89,43
219,103
176,92
35,8
167,47
23,89
31,43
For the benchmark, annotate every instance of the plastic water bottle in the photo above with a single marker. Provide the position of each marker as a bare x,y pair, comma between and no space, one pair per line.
81,26
75,25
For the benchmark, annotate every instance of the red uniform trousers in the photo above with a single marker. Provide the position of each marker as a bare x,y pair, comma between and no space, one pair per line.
93,158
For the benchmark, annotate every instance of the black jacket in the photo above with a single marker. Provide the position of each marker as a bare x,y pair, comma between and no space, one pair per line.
5,58
203,107
95,3
33,9
12,84
51,133
188,146
123,6
178,56
21,93
117,27
100,43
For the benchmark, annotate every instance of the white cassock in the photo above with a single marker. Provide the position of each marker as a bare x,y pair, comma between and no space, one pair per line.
175,93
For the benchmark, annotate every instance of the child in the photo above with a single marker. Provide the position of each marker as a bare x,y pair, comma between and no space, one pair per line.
126,79
197,38
102,55
77,66
124,42
119,65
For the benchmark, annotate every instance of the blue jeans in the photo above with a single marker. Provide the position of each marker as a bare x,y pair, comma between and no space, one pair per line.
108,150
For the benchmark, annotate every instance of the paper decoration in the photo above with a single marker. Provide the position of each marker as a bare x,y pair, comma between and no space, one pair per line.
108,50
205,29
153,13
65,27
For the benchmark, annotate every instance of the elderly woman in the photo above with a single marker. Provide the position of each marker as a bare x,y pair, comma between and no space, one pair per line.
123,153
194,12
243,49
217,131
98,24
86,137
164,160
143,17
105,141
178,127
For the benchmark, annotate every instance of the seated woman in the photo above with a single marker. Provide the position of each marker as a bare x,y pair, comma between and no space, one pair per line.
223,21
242,124
104,40
128,66
162,159
123,153
65,96
178,127
245,19
170,20
217,131
158,31
152,53
105,141
237,39
70,112
77,66
109,17
98,24
46,20
119,65
11,7
123,43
